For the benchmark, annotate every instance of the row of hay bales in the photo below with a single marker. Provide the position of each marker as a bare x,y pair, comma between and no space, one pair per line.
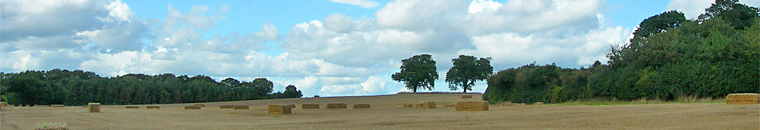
460,106
288,109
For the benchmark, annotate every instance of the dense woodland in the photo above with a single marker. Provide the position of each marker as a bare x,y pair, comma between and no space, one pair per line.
668,57
80,87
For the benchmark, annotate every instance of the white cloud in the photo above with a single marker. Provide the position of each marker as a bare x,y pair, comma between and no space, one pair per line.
693,8
361,3
339,55
482,5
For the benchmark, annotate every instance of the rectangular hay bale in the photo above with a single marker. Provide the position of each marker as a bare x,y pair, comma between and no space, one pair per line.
57,105
472,106
336,106
279,110
3,104
309,106
226,106
93,107
132,107
407,105
153,107
466,96
193,107
200,105
291,105
743,98
428,105
240,107
361,106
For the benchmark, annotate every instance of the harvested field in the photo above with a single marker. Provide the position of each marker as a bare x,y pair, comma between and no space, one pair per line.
427,105
386,114
309,106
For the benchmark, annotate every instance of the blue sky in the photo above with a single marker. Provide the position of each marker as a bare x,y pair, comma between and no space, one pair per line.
324,47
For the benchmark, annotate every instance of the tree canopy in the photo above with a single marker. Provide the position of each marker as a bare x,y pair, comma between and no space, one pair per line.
669,58
417,72
79,88
466,71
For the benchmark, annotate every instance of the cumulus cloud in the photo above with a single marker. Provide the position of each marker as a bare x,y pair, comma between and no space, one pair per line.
361,3
337,55
693,8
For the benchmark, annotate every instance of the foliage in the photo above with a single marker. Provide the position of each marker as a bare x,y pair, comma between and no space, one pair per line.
466,70
79,88
668,58
419,71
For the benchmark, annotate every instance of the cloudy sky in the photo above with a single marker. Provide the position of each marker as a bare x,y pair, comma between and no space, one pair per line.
324,47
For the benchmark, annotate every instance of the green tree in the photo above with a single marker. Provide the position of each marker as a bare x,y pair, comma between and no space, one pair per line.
292,92
419,71
466,71
738,15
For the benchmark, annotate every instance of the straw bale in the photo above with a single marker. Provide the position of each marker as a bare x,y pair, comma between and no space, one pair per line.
361,106
153,107
200,105
279,110
472,106
450,105
427,105
336,106
93,107
193,107
407,105
538,103
743,98
133,107
2,104
466,96
56,105
226,106
240,107
309,106
291,105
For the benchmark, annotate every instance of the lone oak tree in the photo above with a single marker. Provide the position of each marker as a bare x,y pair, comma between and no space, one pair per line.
419,71
467,70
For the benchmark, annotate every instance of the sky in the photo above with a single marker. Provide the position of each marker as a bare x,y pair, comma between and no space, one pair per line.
323,47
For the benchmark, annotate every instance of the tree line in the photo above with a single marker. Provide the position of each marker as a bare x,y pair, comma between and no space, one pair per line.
668,57
79,88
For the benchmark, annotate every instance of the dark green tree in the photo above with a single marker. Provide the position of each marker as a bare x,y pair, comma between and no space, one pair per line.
292,92
466,71
419,71
738,15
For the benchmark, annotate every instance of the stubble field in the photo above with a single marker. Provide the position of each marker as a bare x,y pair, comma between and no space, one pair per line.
386,112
